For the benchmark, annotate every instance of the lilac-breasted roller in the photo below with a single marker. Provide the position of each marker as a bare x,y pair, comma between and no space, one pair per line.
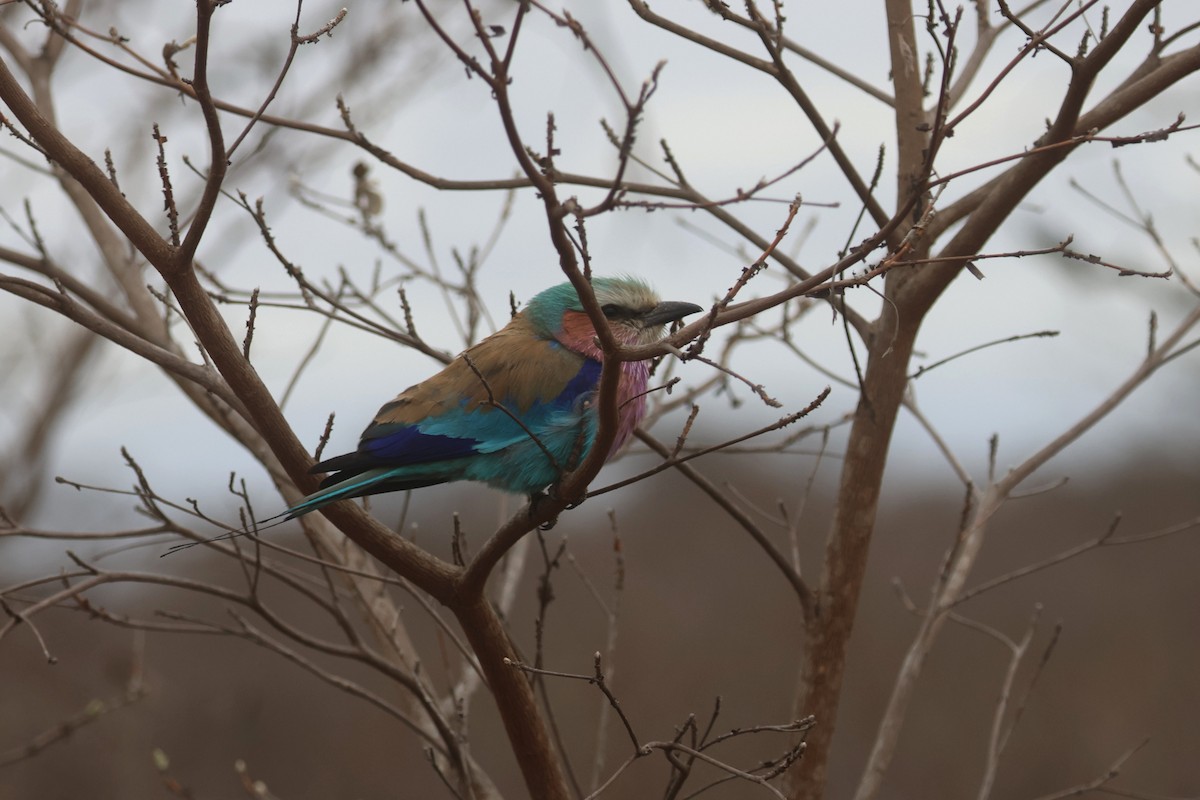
516,410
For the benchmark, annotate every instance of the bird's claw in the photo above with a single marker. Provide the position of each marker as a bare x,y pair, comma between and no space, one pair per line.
552,491
536,499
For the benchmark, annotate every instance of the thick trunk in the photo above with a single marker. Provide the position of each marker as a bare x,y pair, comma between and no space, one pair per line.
827,635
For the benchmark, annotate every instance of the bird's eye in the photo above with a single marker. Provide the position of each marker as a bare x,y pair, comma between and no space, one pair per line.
611,310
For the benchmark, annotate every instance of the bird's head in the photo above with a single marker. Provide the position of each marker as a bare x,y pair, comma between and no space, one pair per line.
635,314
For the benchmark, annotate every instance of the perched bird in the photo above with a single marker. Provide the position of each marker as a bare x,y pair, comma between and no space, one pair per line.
516,411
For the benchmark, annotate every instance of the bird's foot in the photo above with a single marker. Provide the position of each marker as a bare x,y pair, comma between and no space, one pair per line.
536,499
552,491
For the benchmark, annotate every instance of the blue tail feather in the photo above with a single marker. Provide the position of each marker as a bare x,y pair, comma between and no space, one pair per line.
373,481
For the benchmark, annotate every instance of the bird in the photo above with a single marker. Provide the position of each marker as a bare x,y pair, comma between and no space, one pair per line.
515,411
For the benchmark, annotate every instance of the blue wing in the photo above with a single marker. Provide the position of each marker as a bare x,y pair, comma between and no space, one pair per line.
458,424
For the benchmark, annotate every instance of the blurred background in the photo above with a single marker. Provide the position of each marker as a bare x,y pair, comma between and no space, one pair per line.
702,613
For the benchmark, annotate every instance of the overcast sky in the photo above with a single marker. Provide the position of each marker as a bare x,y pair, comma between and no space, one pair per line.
727,125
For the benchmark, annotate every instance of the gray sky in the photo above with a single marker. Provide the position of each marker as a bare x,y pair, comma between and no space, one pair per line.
727,125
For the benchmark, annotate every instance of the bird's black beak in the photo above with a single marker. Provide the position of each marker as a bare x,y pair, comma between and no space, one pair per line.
668,311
